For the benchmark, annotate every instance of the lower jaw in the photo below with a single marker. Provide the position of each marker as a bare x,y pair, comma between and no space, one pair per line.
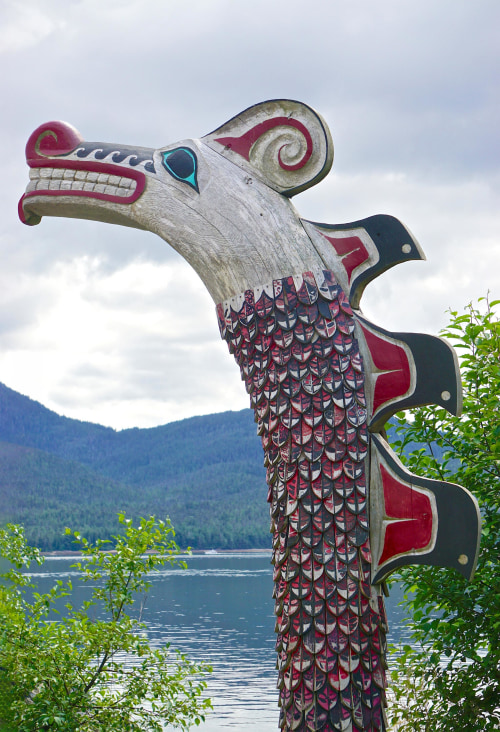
33,206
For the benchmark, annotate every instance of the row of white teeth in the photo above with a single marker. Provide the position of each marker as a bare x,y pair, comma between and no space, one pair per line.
60,179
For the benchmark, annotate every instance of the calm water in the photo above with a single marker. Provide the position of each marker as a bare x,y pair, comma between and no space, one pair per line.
220,611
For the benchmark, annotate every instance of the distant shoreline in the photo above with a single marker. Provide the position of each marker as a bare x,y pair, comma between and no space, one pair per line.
194,552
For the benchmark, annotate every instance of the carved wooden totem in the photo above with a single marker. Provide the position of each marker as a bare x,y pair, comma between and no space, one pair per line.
322,379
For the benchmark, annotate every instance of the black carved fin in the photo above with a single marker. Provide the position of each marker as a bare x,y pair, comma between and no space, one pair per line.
383,242
416,520
409,370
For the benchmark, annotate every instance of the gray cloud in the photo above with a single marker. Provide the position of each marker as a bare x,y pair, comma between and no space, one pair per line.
410,92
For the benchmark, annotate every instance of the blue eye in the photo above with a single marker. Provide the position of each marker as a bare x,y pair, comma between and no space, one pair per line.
182,165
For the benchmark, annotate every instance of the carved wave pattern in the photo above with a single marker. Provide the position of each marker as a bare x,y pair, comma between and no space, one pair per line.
294,343
103,151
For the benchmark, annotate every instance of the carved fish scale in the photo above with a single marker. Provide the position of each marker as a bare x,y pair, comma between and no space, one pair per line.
322,379
295,344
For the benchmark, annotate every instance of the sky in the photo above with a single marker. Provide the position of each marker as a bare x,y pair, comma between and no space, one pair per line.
108,324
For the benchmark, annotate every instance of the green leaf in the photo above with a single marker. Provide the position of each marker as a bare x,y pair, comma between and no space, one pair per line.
449,679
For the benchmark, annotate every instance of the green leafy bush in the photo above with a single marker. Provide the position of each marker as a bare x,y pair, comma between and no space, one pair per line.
450,678
74,673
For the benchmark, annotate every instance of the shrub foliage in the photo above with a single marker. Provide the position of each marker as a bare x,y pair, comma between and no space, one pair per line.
450,678
91,668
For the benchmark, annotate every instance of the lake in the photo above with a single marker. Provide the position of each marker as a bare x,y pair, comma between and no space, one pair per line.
220,611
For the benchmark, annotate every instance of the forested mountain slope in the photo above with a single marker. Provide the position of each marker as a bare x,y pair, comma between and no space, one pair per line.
205,472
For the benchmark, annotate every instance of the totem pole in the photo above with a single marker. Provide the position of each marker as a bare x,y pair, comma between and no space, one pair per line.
322,379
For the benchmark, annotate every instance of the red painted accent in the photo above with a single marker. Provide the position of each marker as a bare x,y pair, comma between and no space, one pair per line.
351,250
391,358
242,145
50,139
413,531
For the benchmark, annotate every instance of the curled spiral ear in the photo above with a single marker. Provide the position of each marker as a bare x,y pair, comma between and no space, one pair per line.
285,143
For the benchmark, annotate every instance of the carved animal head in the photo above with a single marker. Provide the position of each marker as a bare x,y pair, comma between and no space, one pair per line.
225,196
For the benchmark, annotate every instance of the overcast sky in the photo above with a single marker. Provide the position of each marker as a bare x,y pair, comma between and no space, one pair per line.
108,324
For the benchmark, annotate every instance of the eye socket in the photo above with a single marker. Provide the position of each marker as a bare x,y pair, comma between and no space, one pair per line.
182,165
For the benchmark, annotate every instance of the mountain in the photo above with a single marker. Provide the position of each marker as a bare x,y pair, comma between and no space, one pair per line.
45,494
206,473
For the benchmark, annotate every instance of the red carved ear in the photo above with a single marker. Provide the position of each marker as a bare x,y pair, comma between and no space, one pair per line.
285,143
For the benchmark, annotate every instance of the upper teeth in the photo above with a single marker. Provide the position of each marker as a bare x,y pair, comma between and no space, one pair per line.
61,179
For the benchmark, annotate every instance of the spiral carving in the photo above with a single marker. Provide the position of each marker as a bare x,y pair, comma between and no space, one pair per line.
277,147
284,142
273,141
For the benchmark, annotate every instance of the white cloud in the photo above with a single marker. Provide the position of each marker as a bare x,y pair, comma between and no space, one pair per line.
108,324
25,24
144,335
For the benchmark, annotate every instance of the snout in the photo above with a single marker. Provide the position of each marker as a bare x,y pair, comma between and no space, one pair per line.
66,169
50,140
